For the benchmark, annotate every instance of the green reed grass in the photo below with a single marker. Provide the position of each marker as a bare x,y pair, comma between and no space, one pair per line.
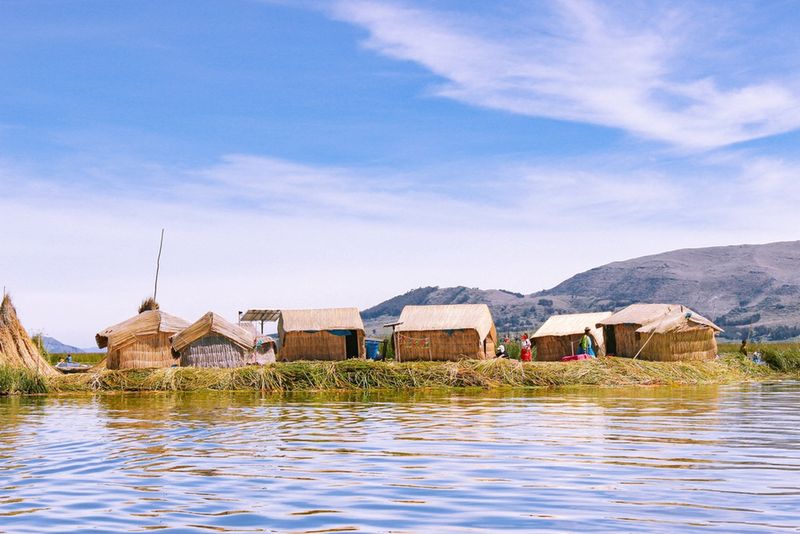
359,375
17,380
364,375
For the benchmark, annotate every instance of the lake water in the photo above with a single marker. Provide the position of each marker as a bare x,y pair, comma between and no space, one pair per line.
715,459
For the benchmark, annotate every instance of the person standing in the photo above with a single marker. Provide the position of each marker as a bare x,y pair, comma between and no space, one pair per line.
525,353
587,343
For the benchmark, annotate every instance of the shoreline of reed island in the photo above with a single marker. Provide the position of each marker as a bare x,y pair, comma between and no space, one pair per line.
366,375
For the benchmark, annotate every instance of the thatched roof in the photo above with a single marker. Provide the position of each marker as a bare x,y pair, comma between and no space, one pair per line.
321,319
448,317
659,318
571,324
146,323
211,323
16,347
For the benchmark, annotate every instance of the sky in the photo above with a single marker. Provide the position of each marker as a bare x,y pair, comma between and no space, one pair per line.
338,153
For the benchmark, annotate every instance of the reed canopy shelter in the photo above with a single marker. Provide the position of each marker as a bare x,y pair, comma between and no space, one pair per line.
660,332
560,334
445,332
141,342
321,334
211,341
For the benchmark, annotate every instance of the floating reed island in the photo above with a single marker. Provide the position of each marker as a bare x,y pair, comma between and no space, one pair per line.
434,346
366,375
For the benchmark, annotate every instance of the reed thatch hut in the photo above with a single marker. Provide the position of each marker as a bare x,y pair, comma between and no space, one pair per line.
322,334
142,341
211,341
445,332
660,332
560,334
16,347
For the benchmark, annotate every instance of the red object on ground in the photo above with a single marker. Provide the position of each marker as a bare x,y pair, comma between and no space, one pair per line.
576,357
525,355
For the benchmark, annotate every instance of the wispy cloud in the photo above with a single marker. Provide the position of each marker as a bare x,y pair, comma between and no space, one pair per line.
587,62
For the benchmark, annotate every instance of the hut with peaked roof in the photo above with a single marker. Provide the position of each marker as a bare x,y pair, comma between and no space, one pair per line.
560,334
445,332
211,341
660,332
142,341
321,334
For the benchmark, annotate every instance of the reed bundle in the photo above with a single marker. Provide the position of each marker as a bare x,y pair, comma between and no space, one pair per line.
363,375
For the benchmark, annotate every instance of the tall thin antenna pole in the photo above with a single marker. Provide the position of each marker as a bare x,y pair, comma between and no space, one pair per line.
158,264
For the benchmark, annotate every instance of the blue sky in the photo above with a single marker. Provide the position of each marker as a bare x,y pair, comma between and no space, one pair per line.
340,152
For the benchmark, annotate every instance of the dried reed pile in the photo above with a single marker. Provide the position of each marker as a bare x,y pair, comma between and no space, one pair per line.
360,374
17,350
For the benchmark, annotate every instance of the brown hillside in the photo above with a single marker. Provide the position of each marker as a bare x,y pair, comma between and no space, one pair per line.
16,347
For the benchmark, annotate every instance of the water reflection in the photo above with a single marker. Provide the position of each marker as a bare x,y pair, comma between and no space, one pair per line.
579,459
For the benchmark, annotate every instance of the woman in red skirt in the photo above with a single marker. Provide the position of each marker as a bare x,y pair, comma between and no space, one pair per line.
525,349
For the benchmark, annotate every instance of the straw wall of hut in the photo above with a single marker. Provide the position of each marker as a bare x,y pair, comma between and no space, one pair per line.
441,345
323,334
445,333
212,351
142,341
212,341
694,344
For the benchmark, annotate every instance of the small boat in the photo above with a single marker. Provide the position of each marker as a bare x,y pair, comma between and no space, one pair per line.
66,367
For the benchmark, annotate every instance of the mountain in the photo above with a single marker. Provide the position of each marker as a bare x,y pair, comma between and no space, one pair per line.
54,346
746,289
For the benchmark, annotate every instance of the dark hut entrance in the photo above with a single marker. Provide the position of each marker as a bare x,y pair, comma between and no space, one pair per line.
611,340
351,345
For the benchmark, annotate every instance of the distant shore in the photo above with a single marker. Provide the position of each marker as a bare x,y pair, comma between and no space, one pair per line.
364,375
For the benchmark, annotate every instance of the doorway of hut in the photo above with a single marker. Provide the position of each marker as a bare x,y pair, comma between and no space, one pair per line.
351,345
610,340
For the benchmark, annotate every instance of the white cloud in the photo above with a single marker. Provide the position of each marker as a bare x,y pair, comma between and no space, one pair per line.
257,231
582,61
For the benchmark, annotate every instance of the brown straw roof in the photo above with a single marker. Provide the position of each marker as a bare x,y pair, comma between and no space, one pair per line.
659,318
321,319
211,323
146,323
447,317
570,324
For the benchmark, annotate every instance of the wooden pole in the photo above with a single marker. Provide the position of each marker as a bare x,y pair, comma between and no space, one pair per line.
158,265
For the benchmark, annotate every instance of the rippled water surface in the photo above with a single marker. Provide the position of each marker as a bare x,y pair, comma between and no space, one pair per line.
649,459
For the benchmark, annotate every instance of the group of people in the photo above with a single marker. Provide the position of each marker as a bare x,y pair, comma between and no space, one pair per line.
587,345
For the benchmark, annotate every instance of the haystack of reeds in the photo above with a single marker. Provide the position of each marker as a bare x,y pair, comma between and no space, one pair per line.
17,350
360,374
